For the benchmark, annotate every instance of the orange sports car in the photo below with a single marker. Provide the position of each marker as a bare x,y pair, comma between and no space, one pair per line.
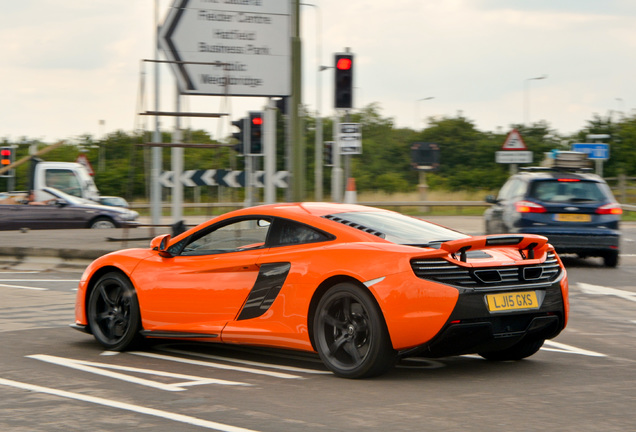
359,285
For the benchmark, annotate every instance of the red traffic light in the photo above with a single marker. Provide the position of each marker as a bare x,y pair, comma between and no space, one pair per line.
343,63
257,121
5,156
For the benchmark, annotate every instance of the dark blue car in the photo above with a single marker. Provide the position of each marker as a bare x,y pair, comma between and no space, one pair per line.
575,210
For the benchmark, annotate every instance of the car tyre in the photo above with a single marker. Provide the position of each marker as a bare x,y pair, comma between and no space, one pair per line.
610,259
520,350
350,333
103,223
113,312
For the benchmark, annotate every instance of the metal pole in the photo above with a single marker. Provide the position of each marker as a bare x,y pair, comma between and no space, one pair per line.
249,162
318,143
269,149
177,165
155,170
336,172
526,101
298,142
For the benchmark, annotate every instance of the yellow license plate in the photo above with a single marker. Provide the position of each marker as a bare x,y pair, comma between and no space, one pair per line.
573,217
512,301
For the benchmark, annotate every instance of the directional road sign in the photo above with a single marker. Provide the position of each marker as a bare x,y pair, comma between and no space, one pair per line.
227,178
233,48
599,151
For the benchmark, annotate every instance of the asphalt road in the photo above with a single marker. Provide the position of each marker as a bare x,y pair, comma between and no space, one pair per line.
54,378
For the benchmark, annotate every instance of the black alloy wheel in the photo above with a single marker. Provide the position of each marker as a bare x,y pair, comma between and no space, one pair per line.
350,333
610,259
113,312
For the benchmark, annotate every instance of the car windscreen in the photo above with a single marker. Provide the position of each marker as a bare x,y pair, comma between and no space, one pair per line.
568,191
398,228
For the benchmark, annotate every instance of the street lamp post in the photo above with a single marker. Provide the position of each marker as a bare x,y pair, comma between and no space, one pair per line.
526,102
417,108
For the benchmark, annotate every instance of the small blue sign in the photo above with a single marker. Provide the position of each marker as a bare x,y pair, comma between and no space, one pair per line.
594,150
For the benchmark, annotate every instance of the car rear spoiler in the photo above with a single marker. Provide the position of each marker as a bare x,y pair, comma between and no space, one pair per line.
527,244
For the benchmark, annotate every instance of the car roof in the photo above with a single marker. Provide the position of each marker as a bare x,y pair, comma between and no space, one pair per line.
307,212
303,209
548,174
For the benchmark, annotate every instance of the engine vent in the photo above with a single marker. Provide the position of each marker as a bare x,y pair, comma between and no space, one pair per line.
446,272
355,225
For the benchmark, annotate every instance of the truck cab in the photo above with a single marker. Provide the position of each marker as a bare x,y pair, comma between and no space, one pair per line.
69,177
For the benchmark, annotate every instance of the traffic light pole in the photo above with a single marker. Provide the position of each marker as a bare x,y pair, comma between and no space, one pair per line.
249,167
156,159
177,164
297,138
336,172
269,151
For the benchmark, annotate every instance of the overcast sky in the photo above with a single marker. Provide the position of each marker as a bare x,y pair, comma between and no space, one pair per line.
69,65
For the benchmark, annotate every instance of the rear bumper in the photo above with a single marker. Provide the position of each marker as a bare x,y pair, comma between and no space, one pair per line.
471,328
592,242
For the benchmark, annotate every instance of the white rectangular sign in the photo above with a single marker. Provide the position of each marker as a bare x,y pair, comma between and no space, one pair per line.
350,138
245,46
507,156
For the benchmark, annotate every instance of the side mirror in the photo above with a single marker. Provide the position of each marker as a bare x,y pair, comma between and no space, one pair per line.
491,199
160,243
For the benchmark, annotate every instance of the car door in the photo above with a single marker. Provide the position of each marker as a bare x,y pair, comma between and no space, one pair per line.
206,281
495,214
510,216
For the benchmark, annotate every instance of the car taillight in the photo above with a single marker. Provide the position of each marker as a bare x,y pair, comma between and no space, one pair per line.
613,209
529,207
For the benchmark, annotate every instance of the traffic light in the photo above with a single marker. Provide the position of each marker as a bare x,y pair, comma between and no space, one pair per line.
344,81
328,153
6,156
425,156
241,135
256,132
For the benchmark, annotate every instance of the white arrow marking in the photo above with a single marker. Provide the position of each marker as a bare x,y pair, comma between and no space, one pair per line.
259,177
208,177
125,406
186,178
230,179
280,179
99,369
165,178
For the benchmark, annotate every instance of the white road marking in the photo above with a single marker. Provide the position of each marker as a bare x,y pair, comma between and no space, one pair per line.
215,365
248,362
24,287
601,290
98,369
40,280
19,272
569,349
125,406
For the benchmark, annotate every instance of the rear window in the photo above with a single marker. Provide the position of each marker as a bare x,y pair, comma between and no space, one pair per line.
397,228
569,190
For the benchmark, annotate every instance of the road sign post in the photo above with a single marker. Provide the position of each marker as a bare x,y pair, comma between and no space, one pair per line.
513,151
